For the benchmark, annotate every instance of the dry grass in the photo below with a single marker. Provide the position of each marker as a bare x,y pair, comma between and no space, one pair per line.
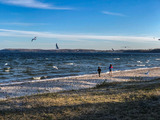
107,101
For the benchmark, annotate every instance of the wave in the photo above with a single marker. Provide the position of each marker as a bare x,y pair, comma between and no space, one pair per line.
141,69
6,64
116,58
39,78
55,67
140,65
69,77
139,62
69,63
36,78
131,65
147,61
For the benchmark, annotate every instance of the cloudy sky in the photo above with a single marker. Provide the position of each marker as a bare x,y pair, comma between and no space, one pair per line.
80,24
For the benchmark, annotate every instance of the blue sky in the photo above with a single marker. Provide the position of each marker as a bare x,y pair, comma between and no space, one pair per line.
80,24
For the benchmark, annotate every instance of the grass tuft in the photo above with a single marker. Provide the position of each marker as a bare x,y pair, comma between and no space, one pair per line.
106,84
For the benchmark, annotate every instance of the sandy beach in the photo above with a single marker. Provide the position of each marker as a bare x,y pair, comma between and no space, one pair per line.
75,82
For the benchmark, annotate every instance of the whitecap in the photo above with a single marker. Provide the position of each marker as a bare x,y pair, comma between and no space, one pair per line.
141,65
158,59
116,58
69,63
147,61
36,78
44,77
7,70
139,62
55,67
6,64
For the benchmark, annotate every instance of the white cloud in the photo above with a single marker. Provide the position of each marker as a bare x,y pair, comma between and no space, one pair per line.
112,13
73,37
33,4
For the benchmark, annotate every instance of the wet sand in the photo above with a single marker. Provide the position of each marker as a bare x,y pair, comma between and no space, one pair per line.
75,82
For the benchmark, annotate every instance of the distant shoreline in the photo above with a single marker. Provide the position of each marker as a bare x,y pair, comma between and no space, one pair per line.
79,51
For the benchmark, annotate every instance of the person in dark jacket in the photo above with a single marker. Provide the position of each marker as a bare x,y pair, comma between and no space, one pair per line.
110,69
99,71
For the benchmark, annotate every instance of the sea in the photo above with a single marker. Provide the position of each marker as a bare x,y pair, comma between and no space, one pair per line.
19,67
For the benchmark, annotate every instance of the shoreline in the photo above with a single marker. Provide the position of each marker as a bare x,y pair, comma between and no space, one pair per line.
18,89
67,77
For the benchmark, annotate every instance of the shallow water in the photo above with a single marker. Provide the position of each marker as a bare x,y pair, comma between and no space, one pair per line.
29,66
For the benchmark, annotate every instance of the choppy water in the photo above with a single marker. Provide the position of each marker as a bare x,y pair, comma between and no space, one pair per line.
29,66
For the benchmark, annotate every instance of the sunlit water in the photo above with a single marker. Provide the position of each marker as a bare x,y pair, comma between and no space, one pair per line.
29,66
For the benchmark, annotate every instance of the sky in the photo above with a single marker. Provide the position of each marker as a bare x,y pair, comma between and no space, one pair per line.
80,24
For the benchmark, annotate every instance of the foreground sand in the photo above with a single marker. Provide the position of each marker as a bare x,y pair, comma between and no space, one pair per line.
77,82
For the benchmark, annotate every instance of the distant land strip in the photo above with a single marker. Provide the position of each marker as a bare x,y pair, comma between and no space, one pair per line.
80,51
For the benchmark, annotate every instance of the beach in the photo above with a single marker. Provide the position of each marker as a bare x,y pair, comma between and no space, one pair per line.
18,89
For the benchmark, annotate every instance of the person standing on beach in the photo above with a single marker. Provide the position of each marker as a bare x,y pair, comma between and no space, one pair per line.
99,71
110,69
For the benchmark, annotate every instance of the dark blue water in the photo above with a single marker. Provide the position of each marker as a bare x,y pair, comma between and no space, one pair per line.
29,66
